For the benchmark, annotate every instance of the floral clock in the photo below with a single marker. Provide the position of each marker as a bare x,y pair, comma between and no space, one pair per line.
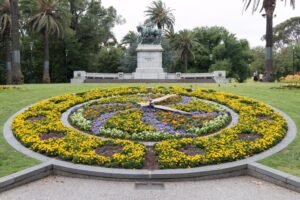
149,117
188,128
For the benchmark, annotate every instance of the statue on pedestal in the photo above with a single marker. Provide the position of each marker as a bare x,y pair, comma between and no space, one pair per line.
149,34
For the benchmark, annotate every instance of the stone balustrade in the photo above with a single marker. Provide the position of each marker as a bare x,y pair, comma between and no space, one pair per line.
216,76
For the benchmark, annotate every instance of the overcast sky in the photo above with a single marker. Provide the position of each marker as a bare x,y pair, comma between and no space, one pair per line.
194,13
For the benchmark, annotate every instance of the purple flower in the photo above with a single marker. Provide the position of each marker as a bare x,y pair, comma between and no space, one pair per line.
185,100
150,119
100,121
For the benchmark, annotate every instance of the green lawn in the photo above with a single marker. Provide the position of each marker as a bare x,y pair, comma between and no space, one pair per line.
288,101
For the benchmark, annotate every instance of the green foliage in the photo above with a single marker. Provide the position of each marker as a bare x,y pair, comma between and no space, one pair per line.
217,49
287,32
50,16
160,15
258,63
221,65
130,38
169,55
2,71
269,7
284,61
108,60
129,60
87,30
183,43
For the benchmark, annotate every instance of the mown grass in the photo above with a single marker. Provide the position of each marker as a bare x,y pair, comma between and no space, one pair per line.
11,101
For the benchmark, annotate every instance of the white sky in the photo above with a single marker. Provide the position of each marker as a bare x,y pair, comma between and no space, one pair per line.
194,13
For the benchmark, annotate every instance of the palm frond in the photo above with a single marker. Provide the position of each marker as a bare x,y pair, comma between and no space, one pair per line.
160,14
48,16
265,4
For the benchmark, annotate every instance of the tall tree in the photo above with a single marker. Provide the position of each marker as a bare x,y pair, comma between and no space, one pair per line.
5,24
47,18
287,32
218,49
17,76
77,8
207,39
160,15
269,7
183,44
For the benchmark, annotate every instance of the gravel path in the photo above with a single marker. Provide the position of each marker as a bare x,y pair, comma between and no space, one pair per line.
62,188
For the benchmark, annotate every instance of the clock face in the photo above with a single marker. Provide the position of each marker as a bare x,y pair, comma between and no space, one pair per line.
185,128
149,117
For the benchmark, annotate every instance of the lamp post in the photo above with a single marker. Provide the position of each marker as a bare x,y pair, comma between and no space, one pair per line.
66,65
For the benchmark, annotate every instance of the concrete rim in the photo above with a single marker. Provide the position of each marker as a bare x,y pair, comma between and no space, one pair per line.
148,174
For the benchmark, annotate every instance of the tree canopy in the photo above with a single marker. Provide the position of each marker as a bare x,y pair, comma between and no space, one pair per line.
160,15
287,32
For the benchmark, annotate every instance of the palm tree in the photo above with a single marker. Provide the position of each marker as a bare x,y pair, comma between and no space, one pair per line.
269,7
130,38
5,24
160,15
17,76
47,19
170,34
183,44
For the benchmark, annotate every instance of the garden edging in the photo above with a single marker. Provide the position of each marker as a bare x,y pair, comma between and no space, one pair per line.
237,168
252,169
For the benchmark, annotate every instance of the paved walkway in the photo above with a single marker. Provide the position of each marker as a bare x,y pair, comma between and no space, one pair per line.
62,188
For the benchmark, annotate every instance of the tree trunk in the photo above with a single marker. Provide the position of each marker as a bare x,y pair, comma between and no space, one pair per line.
159,26
74,20
46,74
8,57
269,76
186,63
17,76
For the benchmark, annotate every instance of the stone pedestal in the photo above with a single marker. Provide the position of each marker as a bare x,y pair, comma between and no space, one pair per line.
149,62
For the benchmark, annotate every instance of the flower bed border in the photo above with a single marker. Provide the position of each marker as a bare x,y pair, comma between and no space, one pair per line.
235,168
79,148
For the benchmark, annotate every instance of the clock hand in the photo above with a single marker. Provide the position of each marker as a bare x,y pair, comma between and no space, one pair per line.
160,99
144,104
152,102
165,108
157,100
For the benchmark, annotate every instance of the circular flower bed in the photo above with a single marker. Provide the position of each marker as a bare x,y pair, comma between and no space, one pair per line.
123,117
182,120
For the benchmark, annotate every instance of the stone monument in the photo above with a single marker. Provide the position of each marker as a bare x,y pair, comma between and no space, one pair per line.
149,54
149,65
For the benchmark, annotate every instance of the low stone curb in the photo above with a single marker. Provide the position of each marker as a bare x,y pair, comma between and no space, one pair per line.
254,169
274,176
247,166
26,176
